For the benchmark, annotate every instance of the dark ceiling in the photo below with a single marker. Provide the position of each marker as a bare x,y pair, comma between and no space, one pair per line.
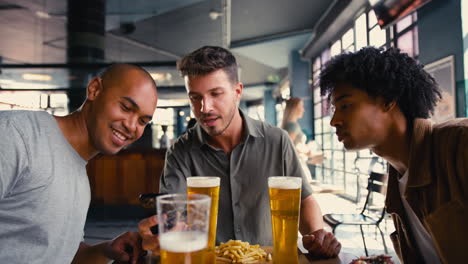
263,32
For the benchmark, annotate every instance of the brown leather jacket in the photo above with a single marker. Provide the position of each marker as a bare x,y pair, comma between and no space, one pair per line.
437,191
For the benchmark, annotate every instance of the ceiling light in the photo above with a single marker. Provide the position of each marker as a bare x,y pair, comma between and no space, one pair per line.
161,76
41,14
156,76
36,77
214,14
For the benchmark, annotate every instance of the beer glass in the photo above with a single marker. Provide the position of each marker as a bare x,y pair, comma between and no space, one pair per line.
183,227
210,187
285,200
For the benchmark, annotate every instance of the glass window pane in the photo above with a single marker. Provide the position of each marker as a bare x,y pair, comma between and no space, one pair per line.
325,107
327,142
315,78
164,116
372,19
338,160
361,32
318,110
416,41
316,65
348,38
391,35
328,154
377,37
21,100
404,23
318,126
335,48
318,173
327,175
317,99
336,143
326,125
349,49
319,139
338,178
58,100
406,43
325,56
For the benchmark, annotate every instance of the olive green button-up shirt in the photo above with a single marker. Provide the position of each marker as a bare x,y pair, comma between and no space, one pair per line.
244,210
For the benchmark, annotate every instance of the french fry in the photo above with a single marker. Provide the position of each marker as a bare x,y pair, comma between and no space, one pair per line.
236,251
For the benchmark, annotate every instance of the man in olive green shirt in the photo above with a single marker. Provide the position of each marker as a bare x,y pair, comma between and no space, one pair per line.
243,211
242,151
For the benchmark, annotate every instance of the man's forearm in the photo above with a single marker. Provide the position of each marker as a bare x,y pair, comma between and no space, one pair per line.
310,216
91,254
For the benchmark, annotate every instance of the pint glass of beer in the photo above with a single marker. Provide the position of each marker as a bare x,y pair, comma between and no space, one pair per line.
210,187
285,200
183,227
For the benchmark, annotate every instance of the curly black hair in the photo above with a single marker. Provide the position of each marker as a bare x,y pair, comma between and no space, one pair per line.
393,75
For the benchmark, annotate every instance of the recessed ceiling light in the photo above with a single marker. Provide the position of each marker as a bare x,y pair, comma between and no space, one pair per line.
36,77
41,14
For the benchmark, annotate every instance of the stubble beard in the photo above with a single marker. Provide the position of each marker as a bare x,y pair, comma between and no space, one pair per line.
215,133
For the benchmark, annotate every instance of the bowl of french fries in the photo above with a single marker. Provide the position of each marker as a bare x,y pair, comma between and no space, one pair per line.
236,251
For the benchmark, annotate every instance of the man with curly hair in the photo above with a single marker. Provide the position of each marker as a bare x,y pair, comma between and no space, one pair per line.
381,101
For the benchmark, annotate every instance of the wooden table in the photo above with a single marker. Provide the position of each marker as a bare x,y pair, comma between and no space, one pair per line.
343,258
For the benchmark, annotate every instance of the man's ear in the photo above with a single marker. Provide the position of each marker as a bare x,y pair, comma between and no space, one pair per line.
239,88
94,88
389,106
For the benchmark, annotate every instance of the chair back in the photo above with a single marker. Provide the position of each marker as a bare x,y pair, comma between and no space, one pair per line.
377,183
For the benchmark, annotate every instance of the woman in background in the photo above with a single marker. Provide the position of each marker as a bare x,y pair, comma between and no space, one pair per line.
308,152
294,111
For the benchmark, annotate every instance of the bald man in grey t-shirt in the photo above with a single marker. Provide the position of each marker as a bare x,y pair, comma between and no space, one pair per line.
44,189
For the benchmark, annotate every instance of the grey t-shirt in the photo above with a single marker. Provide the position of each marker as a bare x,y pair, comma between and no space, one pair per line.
44,190
244,209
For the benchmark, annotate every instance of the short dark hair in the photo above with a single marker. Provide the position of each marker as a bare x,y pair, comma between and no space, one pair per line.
393,75
208,59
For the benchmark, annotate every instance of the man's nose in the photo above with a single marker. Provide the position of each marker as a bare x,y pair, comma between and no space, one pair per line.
335,121
206,105
131,124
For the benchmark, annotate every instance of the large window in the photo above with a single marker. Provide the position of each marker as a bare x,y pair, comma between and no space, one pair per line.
343,169
54,102
162,117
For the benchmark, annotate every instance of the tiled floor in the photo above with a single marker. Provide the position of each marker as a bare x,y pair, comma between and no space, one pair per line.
349,236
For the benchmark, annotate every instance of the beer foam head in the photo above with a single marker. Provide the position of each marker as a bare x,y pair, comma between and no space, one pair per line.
183,242
203,181
282,182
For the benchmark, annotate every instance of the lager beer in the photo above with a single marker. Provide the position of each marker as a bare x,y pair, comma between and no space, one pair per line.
183,247
183,227
210,187
285,200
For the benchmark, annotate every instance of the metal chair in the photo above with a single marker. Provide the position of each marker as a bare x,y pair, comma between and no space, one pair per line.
376,183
